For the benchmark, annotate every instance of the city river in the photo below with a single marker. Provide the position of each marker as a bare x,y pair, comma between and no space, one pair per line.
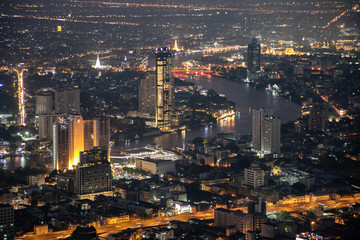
245,98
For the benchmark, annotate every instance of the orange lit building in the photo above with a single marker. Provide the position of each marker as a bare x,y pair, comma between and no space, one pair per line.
72,135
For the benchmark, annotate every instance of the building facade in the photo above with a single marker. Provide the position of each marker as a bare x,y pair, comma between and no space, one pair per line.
254,176
271,129
258,116
253,56
155,166
67,101
147,94
72,135
93,174
44,103
164,89
6,222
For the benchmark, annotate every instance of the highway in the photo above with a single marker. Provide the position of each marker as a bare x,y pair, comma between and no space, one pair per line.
104,231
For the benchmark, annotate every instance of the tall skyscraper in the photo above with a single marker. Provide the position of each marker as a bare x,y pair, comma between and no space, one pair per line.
46,122
164,89
104,135
147,94
271,128
67,101
253,56
97,133
76,139
258,116
61,144
265,131
72,135
93,174
68,141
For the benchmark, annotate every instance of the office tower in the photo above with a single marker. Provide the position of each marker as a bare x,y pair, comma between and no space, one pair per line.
68,141
270,142
90,134
165,89
97,133
61,144
76,139
104,135
93,174
6,222
258,116
44,103
46,122
253,57
147,94
254,176
67,101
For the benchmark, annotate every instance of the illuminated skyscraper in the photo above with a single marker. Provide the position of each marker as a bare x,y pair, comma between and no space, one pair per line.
165,89
97,133
258,116
270,143
68,141
61,144
253,57
147,94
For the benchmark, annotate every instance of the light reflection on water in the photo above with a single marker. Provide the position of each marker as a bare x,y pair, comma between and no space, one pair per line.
245,98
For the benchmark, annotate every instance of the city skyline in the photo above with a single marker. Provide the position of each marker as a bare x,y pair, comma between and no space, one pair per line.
169,119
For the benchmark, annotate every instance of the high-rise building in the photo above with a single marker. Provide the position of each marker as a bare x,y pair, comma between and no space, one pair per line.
254,176
61,144
270,142
46,122
258,115
68,141
91,138
72,135
67,101
76,139
104,135
44,103
253,56
6,222
147,94
164,89
93,174
97,133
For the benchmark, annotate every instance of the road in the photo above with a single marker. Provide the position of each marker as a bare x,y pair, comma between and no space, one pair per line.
104,231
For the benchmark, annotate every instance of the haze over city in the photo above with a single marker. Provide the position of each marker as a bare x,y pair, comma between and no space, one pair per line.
169,119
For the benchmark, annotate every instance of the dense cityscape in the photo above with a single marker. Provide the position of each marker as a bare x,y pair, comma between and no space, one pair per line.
169,119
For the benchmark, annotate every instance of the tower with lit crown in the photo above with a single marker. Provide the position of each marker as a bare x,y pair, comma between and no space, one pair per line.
253,56
164,89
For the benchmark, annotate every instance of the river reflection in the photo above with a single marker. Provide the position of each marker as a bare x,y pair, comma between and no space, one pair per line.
245,98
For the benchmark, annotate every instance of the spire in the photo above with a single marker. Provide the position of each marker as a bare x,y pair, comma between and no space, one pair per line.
97,64
176,48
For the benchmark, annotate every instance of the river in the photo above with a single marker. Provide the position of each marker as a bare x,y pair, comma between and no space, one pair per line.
245,98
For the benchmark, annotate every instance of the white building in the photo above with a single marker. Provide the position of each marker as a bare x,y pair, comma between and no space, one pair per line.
258,115
254,176
270,143
155,166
